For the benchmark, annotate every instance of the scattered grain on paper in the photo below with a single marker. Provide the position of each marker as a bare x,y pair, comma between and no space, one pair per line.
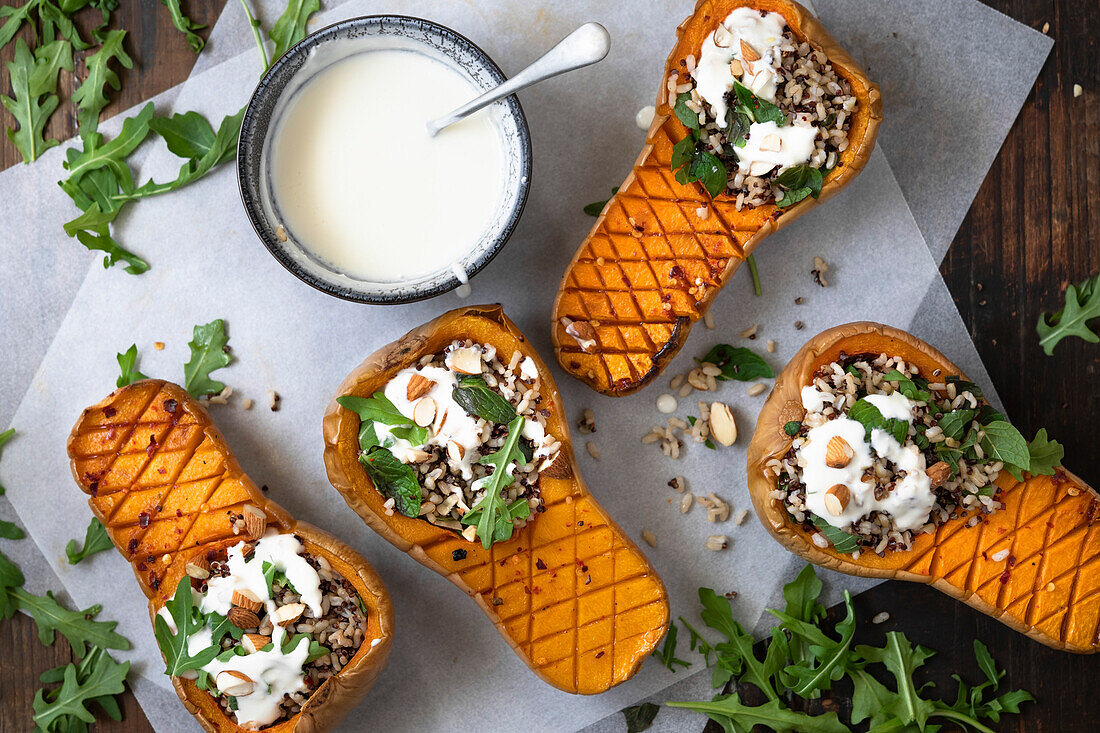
666,404
771,346
158,345
708,320
750,332
1078,90
686,502
741,517
273,400
592,450
246,403
717,542
757,388
880,618
649,537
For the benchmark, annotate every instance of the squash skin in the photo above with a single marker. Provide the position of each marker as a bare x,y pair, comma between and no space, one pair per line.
188,444
1048,522
620,284
581,637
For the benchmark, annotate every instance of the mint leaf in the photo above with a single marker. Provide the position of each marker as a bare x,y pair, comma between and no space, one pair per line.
843,542
640,717
798,182
185,25
1003,442
594,208
394,480
908,386
476,397
685,114
1046,455
96,540
761,110
955,423
737,363
127,364
1082,306
208,353
792,428
376,408
867,415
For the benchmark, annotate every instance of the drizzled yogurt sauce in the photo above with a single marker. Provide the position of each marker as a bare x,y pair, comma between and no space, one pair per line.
912,498
767,145
360,184
274,672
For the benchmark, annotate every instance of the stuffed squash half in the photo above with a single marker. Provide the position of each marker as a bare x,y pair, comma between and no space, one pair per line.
264,622
760,115
874,455
452,443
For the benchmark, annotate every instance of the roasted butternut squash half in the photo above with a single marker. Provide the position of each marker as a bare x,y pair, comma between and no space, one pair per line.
919,486
566,588
760,116
285,607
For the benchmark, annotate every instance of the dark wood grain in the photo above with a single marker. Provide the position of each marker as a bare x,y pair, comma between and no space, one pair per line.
1034,228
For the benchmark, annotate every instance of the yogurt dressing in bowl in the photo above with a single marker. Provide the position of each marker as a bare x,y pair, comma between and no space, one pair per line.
359,183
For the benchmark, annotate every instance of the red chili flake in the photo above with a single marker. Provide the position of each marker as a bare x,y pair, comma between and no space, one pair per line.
600,654
574,364
154,582
109,411
161,471
143,520
1004,576
536,589
179,513
132,545
526,590
1011,560
677,273
93,488
588,580
580,523
540,564
141,567
170,406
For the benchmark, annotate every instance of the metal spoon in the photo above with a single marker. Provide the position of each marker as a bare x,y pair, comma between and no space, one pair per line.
584,46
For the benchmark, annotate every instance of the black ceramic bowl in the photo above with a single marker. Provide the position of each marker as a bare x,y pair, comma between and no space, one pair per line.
282,81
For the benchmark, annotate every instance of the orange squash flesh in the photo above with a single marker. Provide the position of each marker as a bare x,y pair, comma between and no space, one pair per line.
1047,587
572,595
161,479
651,267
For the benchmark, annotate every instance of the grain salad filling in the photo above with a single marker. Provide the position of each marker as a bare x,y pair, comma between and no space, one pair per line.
884,453
768,115
460,441
261,626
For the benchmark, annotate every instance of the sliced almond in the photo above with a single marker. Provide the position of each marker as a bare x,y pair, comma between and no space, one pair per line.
247,600
771,143
235,684
440,420
748,52
198,567
836,499
247,549
583,333
556,466
288,614
254,642
838,453
243,618
760,168
722,37
415,455
736,69
722,426
939,473
424,412
419,385
255,521
470,533
455,452
465,361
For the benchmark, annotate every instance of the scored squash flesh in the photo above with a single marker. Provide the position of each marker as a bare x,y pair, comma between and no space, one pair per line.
572,595
651,266
161,478
1046,586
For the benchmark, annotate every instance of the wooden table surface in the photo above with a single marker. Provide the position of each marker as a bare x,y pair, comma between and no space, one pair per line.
1034,227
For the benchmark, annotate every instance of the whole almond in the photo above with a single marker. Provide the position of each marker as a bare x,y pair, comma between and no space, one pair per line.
424,412
583,333
247,600
288,614
939,473
838,453
419,385
748,52
198,567
235,684
556,467
254,642
455,452
255,521
836,499
243,618
722,426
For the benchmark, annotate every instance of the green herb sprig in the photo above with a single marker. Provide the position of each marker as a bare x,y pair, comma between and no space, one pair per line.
737,363
96,540
492,514
127,366
185,25
1082,306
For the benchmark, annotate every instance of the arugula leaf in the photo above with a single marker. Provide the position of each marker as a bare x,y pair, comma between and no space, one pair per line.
90,97
738,363
843,542
1003,442
81,686
56,21
188,135
686,114
34,86
76,626
491,514
16,17
127,364
870,698
111,155
798,182
737,652
640,717
10,577
208,353
1082,306
101,241
901,658
801,595
394,480
1046,455
733,715
697,642
761,110
291,25
594,208
185,25
806,679
4,438
173,645
316,650
96,540
667,653
475,396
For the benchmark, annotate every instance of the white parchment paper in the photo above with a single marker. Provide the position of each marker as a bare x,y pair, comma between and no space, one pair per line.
207,264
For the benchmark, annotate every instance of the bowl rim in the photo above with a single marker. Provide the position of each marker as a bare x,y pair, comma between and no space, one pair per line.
251,135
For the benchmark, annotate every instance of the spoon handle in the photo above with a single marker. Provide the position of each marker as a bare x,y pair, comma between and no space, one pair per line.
584,46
